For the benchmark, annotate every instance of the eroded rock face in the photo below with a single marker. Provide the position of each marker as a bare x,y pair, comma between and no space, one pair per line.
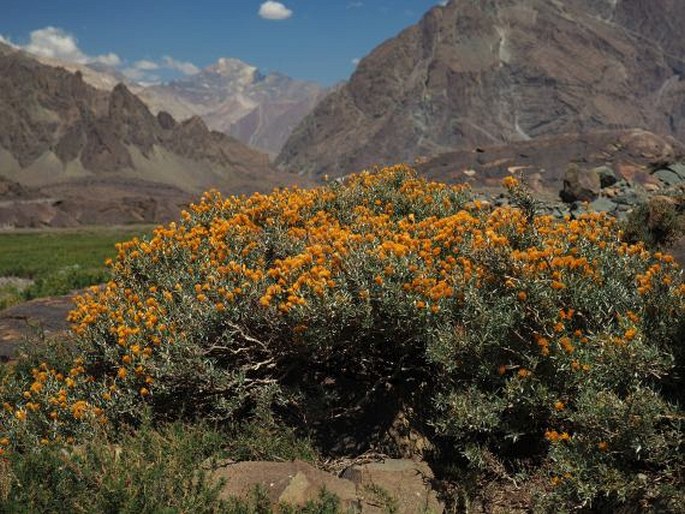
481,73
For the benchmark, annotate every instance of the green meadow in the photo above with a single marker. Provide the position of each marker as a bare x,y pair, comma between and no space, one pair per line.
58,261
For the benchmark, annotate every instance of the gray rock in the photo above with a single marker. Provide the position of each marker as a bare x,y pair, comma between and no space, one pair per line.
607,176
668,177
679,169
603,205
630,197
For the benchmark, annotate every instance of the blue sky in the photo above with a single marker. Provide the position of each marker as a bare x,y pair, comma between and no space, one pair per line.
158,40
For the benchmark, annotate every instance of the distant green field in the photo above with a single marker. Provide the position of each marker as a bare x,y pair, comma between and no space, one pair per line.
58,260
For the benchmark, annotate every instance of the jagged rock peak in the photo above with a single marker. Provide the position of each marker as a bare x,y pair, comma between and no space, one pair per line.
227,66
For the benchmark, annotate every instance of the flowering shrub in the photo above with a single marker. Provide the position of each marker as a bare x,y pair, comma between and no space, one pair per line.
501,334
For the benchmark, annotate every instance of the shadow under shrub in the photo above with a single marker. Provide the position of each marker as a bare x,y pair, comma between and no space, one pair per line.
513,342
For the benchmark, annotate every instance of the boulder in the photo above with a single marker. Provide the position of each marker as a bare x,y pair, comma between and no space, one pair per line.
679,169
607,176
395,485
603,205
402,486
293,482
580,185
668,177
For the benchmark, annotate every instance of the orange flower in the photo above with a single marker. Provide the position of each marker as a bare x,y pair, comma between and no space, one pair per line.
552,435
510,182
559,405
603,446
522,296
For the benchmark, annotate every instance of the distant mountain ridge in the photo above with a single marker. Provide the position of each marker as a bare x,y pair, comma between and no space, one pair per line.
236,98
232,97
55,126
489,72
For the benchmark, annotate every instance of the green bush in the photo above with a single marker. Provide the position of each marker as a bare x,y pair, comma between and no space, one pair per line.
510,340
147,471
658,222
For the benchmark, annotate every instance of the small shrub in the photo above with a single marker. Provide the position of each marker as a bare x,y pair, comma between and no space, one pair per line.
657,222
513,341
64,281
146,471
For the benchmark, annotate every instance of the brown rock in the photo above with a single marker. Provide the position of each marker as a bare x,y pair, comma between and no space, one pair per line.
401,486
395,485
293,482
580,185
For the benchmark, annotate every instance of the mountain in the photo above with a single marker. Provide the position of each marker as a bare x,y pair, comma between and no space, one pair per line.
56,127
491,72
236,98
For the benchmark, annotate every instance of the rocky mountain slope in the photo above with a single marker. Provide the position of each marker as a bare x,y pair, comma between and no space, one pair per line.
490,72
57,127
230,96
236,98
91,156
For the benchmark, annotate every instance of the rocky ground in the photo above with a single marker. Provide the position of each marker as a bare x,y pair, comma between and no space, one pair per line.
42,317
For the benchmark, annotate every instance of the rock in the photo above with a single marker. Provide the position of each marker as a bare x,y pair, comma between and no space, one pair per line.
603,205
645,145
166,120
650,187
668,177
677,249
629,197
44,316
395,485
611,192
679,169
607,176
580,185
293,482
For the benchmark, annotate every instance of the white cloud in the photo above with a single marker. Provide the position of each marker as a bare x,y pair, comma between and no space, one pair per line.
444,2
145,65
353,5
134,74
187,68
110,59
356,60
274,11
58,44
